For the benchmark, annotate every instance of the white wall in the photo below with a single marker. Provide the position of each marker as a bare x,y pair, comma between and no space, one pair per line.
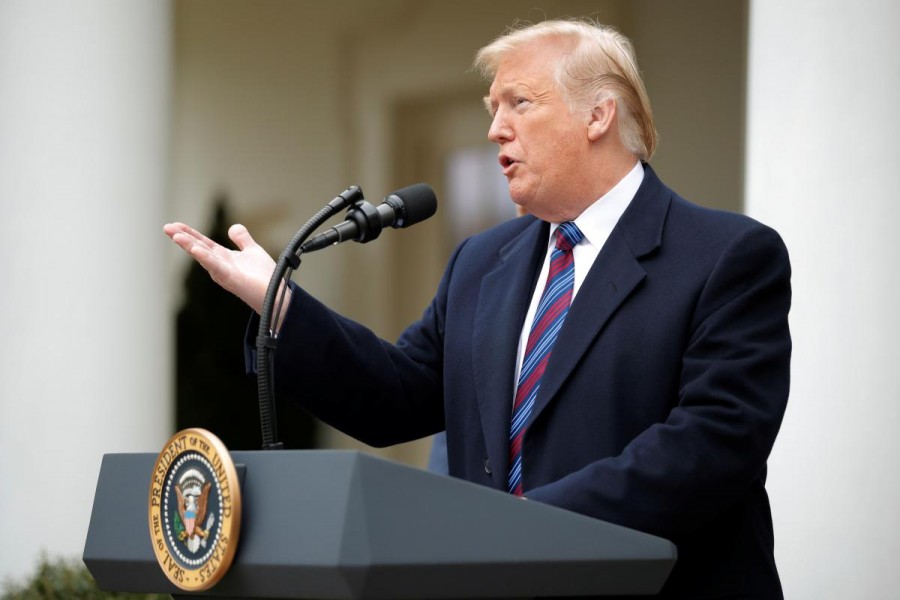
84,361
822,156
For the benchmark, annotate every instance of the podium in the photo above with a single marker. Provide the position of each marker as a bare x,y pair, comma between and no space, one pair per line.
344,525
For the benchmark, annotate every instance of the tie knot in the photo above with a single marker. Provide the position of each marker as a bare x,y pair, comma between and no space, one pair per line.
567,236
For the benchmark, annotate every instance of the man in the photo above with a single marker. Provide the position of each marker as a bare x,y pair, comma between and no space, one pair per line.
619,352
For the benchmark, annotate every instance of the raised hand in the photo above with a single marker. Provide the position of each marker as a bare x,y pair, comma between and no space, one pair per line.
244,272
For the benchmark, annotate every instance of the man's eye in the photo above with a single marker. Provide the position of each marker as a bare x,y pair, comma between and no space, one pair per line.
521,103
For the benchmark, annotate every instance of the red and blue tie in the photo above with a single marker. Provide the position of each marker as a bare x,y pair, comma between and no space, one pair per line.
548,320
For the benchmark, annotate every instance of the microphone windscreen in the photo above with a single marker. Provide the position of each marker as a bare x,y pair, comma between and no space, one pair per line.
419,203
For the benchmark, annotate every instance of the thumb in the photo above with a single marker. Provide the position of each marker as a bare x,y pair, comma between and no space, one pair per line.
241,237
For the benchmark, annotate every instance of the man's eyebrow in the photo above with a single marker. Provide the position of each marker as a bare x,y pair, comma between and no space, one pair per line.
502,91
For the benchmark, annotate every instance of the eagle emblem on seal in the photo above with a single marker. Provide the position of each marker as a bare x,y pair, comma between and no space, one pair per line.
192,490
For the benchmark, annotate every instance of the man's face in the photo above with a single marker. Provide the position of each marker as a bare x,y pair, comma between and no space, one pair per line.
543,146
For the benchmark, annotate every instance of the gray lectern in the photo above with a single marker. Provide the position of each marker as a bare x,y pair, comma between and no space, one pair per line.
345,525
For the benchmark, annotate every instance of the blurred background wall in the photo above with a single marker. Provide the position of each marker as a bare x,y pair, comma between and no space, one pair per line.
117,116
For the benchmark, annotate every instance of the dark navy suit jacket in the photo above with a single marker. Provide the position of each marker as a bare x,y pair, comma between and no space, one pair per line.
660,403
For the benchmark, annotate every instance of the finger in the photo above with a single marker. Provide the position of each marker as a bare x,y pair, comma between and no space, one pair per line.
186,241
207,260
241,237
192,248
199,236
219,270
172,229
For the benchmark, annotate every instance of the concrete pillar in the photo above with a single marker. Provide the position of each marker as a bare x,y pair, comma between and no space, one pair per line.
822,155
84,328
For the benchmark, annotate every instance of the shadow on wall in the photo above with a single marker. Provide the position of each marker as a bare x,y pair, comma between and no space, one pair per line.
213,390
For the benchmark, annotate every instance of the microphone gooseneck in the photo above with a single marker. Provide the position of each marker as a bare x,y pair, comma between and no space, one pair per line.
266,341
364,223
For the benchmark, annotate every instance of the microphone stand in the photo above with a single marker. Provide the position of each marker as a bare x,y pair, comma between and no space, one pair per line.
266,339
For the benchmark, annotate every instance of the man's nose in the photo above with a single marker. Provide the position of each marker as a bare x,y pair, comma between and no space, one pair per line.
500,130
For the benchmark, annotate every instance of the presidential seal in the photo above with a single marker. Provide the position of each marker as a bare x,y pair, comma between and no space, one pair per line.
195,509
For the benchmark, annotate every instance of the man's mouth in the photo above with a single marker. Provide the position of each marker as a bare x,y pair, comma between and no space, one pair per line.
507,163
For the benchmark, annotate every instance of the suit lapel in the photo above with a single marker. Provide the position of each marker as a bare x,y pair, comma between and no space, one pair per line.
613,277
502,303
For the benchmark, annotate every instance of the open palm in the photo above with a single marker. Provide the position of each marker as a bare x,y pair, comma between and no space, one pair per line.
244,272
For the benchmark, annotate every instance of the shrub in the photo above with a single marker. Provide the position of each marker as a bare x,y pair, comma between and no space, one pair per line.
62,579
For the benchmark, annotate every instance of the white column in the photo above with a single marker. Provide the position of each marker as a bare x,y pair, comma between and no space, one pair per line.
84,360
822,162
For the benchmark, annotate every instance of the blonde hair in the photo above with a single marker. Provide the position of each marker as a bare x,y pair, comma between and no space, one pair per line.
600,65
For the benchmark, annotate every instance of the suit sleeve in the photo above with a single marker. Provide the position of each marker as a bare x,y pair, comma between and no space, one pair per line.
734,379
342,373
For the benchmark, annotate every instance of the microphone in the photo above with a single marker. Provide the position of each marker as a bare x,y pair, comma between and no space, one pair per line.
364,221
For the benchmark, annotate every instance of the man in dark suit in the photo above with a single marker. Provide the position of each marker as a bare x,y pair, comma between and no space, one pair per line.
618,352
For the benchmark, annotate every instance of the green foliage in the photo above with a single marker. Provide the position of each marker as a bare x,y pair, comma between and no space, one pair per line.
65,580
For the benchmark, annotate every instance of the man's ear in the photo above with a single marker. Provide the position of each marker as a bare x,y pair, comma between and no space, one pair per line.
602,118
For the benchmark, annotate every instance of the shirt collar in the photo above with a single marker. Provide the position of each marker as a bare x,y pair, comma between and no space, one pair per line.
598,220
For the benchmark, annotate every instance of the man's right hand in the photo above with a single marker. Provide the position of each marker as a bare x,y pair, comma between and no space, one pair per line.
244,272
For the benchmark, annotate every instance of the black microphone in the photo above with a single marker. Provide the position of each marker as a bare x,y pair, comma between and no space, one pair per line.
364,221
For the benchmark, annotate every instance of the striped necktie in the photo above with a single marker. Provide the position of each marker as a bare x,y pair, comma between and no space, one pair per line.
548,320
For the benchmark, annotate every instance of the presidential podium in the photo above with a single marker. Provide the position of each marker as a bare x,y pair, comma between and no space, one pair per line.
345,525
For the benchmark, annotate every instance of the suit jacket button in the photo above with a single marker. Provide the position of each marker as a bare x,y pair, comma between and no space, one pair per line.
487,466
